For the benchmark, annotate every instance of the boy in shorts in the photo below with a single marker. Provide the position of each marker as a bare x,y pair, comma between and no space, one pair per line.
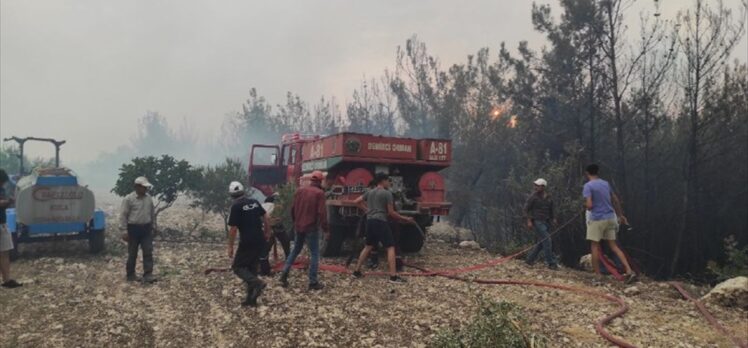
379,207
603,206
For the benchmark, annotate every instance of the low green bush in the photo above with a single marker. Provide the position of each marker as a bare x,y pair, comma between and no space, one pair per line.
496,324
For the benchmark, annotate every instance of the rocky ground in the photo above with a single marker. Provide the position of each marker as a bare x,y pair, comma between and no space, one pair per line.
72,299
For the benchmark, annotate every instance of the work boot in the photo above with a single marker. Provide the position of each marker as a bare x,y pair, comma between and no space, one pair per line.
358,274
553,267
397,280
316,286
253,294
148,279
284,279
131,278
10,284
630,278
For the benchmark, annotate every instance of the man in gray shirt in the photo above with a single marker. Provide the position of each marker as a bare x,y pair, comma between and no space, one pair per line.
379,207
136,220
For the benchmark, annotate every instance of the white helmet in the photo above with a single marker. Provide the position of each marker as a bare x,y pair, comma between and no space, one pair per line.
540,182
235,188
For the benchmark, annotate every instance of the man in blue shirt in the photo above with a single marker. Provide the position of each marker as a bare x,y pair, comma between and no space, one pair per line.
605,213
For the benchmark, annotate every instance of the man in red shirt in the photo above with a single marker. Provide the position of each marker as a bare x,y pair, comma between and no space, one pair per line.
309,214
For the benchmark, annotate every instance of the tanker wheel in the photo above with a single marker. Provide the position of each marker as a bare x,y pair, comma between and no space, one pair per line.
334,246
14,253
96,242
411,239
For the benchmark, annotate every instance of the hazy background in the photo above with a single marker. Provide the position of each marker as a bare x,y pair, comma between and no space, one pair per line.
86,71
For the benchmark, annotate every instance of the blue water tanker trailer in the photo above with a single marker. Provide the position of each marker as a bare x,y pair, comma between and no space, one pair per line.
51,205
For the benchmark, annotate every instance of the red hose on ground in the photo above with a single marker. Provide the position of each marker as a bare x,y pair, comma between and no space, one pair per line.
453,274
709,317
599,324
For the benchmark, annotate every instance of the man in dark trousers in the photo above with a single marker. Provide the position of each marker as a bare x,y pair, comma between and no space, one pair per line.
309,214
379,207
539,213
136,220
248,216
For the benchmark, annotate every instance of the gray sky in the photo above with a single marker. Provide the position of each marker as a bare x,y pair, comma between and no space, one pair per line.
86,70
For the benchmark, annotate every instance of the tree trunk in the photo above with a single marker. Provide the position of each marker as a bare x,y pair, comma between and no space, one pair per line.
619,122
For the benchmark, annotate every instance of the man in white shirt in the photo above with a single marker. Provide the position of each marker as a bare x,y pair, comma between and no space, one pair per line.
136,220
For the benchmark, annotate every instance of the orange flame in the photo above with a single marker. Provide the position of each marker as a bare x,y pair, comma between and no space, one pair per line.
499,110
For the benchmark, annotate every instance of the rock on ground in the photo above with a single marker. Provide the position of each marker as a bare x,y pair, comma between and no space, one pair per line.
730,293
585,263
445,231
470,244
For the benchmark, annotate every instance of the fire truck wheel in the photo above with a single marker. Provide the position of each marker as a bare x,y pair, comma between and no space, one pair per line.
96,242
411,239
333,247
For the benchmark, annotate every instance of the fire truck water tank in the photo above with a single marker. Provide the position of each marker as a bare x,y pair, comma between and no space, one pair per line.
432,187
358,177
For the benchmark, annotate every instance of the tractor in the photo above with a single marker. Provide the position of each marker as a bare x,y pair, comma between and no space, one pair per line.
350,161
50,205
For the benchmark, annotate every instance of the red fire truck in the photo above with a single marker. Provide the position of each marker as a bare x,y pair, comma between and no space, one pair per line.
349,161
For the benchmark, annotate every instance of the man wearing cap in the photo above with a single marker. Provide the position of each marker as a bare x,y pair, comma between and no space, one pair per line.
6,241
309,214
539,214
136,220
248,216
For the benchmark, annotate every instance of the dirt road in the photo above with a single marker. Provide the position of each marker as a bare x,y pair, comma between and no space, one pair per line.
73,299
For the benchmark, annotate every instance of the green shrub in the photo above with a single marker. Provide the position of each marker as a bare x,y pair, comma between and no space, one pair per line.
736,263
496,324
283,204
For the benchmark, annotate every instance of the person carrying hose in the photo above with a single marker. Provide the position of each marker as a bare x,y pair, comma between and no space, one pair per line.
540,215
247,216
604,207
378,204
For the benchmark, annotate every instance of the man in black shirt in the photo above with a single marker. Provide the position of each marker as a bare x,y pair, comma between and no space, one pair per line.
248,216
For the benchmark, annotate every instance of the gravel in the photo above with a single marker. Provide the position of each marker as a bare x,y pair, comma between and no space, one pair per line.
74,299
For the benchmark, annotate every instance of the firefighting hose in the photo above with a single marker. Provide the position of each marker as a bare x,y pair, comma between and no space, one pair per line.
454,274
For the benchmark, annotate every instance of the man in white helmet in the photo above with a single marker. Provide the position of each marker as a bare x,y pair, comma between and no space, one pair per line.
247,216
